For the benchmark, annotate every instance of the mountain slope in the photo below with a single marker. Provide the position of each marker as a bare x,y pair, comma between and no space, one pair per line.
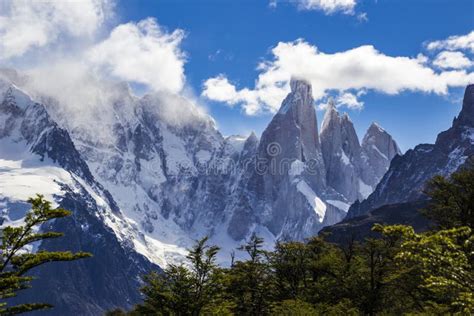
360,227
37,156
407,175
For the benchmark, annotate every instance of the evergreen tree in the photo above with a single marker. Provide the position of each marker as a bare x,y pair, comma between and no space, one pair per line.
16,260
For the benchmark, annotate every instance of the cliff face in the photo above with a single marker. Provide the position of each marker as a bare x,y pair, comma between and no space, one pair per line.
289,177
353,169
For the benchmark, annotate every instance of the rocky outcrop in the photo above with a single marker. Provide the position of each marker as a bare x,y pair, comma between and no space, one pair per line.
378,150
341,152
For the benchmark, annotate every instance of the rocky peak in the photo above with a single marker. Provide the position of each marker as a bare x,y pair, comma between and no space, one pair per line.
374,129
301,88
300,97
466,117
406,178
341,152
376,138
251,141
331,115
294,127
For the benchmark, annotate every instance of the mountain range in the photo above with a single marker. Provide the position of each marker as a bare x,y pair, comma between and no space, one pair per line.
400,194
144,180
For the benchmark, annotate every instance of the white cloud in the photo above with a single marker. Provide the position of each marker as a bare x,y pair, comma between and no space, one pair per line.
344,99
349,100
456,42
327,6
56,32
356,69
453,60
142,52
27,25
220,89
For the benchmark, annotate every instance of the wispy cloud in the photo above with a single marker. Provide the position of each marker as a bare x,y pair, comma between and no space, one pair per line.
144,53
455,42
327,6
28,25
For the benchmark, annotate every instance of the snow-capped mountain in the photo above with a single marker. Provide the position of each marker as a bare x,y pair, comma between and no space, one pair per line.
407,175
147,176
38,156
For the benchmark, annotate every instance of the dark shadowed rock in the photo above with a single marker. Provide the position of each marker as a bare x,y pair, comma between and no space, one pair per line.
359,228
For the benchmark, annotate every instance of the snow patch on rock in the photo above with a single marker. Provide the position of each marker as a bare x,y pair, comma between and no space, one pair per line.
316,203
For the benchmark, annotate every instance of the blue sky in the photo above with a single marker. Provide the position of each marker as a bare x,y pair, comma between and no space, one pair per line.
232,37
236,56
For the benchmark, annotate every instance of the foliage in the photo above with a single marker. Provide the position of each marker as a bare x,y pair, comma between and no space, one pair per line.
16,260
181,290
452,199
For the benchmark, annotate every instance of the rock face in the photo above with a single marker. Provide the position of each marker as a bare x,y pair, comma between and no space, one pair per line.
285,188
354,170
407,175
378,150
341,152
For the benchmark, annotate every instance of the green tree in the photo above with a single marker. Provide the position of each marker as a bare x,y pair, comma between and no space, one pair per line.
452,199
293,308
16,260
181,290
443,262
290,263
250,283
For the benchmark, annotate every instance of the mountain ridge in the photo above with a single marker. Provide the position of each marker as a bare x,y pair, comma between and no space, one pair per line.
149,181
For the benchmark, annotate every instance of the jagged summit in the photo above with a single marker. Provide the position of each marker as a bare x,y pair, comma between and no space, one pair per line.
301,87
466,116
301,96
352,169
383,141
330,115
341,153
252,137
407,176
375,127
